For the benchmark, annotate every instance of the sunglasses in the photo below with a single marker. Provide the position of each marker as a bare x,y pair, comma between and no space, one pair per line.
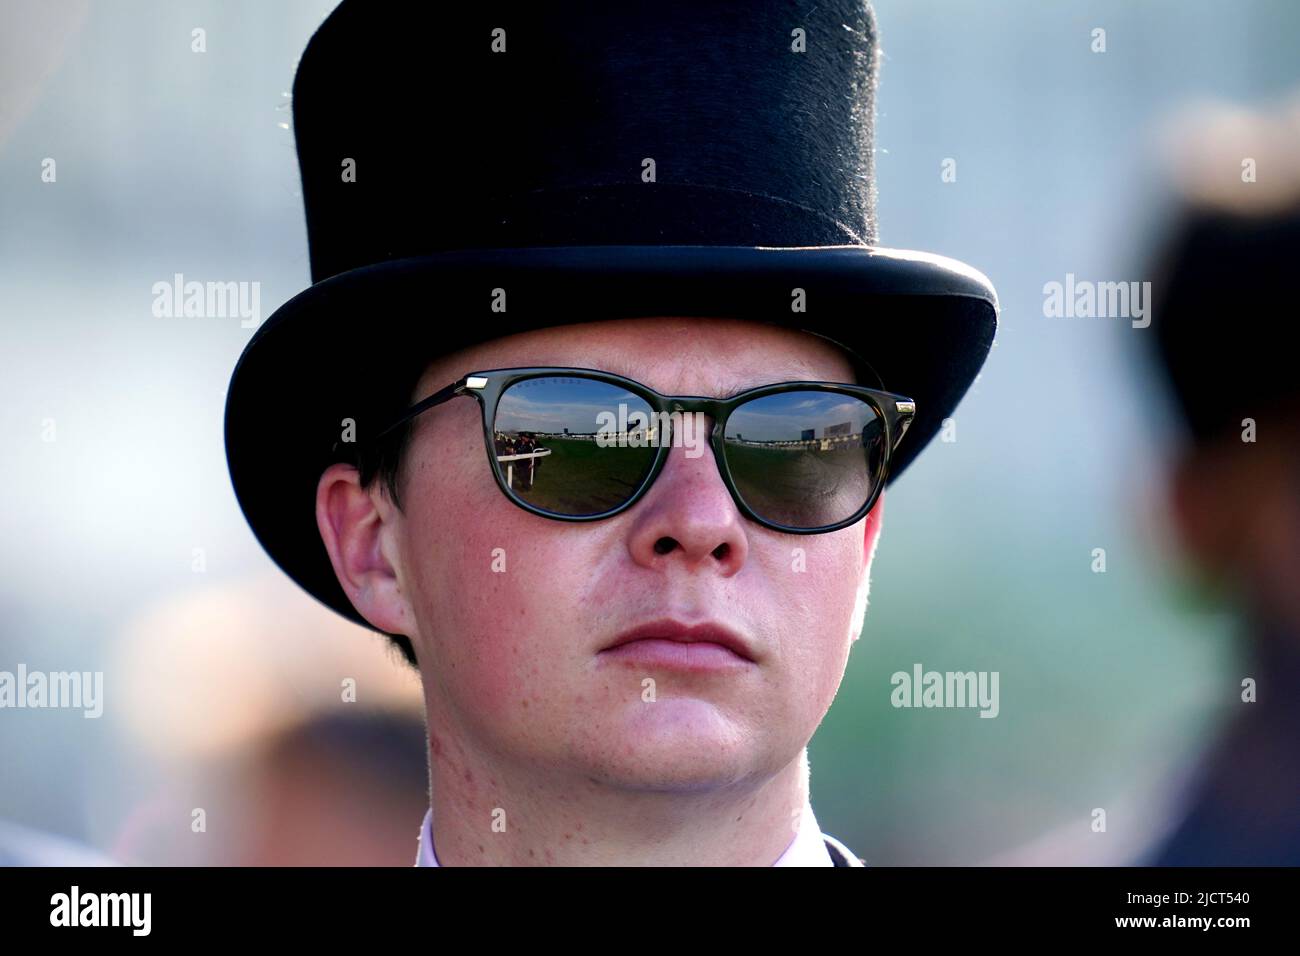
577,444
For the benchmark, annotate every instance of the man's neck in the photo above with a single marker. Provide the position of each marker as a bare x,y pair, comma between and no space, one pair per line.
484,815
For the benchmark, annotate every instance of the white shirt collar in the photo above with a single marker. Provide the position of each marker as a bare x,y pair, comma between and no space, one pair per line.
806,849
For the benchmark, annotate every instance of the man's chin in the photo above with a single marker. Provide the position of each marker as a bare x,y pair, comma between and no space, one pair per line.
678,743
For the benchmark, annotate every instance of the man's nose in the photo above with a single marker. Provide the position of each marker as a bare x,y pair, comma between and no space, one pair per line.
688,516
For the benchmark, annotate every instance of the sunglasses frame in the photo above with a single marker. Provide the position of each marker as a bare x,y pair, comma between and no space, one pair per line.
487,386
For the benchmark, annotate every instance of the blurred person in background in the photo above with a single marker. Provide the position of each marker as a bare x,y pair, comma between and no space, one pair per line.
336,790
321,761
1224,341
1220,348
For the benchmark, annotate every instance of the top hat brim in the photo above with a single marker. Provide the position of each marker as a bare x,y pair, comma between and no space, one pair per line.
352,346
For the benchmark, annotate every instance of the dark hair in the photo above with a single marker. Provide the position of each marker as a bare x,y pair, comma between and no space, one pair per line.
383,460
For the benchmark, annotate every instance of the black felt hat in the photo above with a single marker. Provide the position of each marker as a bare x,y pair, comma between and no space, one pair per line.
594,161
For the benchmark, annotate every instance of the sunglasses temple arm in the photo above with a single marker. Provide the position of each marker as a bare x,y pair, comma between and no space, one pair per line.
437,398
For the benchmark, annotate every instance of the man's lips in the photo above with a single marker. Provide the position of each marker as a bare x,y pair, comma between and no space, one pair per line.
672,642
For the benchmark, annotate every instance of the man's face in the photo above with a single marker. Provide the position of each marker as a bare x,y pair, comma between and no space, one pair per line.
509,612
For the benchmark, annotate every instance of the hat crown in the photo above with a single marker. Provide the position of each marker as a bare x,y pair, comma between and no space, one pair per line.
426,128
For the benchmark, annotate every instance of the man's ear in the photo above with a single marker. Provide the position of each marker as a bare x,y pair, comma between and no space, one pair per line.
870,538
357,526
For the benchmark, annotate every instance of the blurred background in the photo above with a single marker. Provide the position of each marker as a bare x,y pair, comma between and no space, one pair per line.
244,723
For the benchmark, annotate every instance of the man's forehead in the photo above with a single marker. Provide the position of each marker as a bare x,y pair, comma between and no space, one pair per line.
674,355
683,374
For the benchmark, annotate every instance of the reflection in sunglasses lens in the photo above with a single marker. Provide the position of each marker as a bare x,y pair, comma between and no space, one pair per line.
805,459
573,446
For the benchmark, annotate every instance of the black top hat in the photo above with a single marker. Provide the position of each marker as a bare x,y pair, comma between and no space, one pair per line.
595,160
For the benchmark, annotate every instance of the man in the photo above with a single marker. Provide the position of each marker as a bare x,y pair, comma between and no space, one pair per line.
1219,349
652,210
1223,343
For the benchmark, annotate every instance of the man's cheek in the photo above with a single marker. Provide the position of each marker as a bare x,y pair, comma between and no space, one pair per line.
494,678
817,606
505,621
814,583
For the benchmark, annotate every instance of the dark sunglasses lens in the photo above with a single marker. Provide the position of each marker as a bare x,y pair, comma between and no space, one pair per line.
573,446
805,459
